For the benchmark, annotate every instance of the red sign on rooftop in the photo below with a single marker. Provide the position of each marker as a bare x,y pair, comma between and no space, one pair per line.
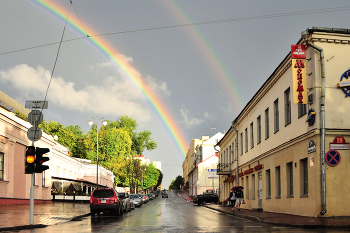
298,51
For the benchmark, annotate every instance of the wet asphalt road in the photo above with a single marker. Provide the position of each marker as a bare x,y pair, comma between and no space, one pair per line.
171,214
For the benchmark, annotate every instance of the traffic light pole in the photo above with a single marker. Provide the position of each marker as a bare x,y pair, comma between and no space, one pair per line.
31,218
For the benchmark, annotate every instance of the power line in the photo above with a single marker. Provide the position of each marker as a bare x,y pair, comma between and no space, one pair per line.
319,11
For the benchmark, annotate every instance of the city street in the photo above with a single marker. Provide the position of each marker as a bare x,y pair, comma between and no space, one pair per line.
171,214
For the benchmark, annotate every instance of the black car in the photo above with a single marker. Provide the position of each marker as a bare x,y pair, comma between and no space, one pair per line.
205,198
164,194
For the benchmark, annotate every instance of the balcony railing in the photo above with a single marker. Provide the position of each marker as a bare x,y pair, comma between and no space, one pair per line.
224,169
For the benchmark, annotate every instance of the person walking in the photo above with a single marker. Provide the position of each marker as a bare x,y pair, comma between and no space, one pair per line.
240,197
232,198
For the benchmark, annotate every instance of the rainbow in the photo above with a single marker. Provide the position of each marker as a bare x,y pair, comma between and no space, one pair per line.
212,58
124,67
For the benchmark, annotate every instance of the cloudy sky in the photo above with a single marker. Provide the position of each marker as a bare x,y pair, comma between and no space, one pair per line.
202,60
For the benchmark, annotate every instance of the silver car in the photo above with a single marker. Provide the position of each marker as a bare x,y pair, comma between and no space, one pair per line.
136,199
126,201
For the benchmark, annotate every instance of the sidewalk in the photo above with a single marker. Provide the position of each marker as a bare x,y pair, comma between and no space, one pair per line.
286,220
17,217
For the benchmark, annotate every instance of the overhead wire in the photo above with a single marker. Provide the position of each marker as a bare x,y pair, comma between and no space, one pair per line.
319,11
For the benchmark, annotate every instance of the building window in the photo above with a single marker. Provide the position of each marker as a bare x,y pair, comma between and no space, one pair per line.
268,184
290,191
233,152
247,190
258,129
241,143
230,156
276,116
1,166
278,181
251,135
302,110
267,124
246,139
253,187
287,107
304,178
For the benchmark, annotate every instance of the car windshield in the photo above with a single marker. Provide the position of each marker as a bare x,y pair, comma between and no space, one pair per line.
103,193
122,195
134,196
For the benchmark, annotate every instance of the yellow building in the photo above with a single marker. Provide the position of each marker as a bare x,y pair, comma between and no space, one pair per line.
294,158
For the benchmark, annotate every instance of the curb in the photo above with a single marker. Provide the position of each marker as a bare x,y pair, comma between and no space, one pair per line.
258,219
25,227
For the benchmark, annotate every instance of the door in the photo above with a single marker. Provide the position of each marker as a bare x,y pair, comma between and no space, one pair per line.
260,189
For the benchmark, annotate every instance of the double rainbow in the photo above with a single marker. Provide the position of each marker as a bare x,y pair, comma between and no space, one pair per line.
124,67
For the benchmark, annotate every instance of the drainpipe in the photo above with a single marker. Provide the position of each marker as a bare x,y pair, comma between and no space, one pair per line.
219,175
305,35
237,173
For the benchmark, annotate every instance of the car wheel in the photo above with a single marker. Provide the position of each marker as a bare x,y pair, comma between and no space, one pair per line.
203,202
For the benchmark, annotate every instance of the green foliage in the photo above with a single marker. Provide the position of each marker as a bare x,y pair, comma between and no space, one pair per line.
175,184
117,141
20,115
151,177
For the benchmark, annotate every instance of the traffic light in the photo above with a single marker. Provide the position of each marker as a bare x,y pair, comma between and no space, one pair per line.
29,160
39,168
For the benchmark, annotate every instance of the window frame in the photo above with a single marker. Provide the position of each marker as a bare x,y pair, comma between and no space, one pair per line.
251,135
246,140
267,124
258,129
278,181
287,107
276,116
268,184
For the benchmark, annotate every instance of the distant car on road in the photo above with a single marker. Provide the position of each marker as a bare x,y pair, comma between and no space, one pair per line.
105,200
205,198
164,194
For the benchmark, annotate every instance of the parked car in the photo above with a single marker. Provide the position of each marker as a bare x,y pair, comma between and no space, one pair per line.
150,195
132,203
105,200
205,198
156,193
164,194
126,201
144,198
136,199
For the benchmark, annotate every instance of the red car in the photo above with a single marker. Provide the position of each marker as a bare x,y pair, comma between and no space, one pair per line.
105,200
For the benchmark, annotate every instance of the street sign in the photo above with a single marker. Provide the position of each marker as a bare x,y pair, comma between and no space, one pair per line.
30,104
35,117
333,158
34,134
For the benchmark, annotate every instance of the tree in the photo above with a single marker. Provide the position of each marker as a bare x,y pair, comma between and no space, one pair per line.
151,177
160,179
70,136
175,184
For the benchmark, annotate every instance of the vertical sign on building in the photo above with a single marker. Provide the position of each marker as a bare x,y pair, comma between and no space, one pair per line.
299,74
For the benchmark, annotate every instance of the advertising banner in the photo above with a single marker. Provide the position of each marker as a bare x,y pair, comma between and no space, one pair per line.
299,74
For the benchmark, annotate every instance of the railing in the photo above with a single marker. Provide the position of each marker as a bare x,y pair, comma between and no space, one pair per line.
224,167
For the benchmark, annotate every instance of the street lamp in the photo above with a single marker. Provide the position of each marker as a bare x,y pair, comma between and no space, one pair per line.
104,124
130,182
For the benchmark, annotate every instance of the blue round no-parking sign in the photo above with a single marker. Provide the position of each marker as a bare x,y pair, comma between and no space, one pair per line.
333,158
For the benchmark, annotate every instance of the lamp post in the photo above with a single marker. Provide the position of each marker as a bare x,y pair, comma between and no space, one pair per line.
104,124
130,183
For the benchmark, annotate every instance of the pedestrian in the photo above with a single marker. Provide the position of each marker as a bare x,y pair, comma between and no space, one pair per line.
232,198
239,197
